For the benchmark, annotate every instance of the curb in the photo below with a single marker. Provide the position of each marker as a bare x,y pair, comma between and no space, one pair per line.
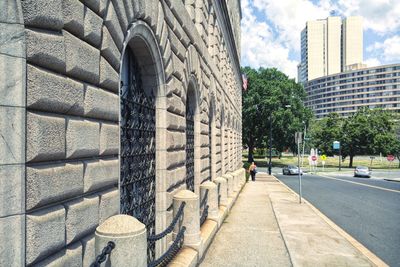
366,252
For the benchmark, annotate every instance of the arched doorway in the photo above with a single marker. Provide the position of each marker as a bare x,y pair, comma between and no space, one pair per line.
141,125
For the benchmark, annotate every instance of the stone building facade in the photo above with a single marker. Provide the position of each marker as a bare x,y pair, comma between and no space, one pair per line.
76,76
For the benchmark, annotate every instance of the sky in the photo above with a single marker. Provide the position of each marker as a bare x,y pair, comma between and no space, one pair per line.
271,30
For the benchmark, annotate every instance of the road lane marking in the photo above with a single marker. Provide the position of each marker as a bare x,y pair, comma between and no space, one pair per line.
367,185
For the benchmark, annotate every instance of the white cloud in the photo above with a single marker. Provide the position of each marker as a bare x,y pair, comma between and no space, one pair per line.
389,49
372,62
381,16
260,48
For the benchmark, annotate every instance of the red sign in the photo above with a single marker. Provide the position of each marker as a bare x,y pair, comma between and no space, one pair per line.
314,158
390,157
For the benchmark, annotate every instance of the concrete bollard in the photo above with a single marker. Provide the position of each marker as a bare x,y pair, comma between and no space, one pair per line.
229,180
129,236
223,190
212,199
236,180
191,217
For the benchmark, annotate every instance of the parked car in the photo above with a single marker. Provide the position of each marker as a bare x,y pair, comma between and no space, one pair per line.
362,171
291,169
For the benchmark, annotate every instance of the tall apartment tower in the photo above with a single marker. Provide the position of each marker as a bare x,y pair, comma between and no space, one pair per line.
329,46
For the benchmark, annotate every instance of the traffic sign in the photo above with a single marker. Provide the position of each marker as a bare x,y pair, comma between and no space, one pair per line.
323,157
314,158
336,145
390,157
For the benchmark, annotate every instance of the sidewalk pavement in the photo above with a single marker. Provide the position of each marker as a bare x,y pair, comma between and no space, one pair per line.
268,227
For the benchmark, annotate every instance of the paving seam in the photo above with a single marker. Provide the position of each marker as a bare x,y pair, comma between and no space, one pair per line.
360,247
280,231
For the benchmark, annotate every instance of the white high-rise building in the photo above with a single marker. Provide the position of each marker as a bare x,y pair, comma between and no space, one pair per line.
329,46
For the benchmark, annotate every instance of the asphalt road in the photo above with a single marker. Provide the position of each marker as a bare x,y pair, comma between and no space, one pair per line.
367,209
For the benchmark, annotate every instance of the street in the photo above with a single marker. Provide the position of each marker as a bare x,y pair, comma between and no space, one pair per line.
367,209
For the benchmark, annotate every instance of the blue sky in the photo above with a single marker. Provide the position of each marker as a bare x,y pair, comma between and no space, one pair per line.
271,30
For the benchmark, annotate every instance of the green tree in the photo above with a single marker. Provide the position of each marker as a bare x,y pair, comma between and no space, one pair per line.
271,92
325,131
367,132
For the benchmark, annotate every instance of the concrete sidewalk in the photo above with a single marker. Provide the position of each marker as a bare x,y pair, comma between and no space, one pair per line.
268,227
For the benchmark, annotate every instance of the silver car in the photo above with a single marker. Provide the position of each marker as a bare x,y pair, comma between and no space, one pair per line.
291,169
362,171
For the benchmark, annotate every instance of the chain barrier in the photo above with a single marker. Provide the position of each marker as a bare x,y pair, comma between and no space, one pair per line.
103,256
219,194
204,207
170,228
171,252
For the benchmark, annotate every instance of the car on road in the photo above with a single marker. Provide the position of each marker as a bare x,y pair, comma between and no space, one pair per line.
291,169
362,171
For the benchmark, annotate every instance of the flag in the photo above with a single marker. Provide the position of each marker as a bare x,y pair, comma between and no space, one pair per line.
244,78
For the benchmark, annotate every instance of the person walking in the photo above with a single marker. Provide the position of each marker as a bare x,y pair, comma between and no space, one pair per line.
253,171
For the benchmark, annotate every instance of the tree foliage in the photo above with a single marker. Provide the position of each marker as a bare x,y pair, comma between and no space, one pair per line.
366,132
269,93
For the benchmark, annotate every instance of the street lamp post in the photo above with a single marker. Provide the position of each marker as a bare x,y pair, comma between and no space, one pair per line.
270,143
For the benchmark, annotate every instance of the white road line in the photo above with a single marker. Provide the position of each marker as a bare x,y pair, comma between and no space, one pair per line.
367,185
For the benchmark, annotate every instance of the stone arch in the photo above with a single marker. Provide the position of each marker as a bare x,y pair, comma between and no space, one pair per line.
140,49
193,110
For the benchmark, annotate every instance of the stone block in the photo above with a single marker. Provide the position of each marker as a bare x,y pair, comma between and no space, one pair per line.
12,133
109,204
109,139
72,256
51,183
45,137
175,122
100,173
92,25
109,78
12,40
178,66
82,60
121,14
12,247
175,104
73,14
11,12
101,104
82,217
88,254
129,10
47,91
13,78
82,138
175,158
112,24
109,49
176,140
12,190
176,45
45,14
45,49
45,233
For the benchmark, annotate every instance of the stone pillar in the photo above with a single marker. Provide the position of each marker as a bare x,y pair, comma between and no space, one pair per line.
223,190
212,199
229,180
129,236
191,218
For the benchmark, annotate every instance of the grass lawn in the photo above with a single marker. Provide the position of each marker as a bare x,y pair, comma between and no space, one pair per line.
331,162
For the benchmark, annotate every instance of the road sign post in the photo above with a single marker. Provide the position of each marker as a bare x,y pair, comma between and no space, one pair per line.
336,145
299,137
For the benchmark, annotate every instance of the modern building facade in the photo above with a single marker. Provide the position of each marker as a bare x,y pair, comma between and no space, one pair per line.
329,46
108,107
346,92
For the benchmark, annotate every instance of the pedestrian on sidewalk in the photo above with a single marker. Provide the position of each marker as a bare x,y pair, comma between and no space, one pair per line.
253,171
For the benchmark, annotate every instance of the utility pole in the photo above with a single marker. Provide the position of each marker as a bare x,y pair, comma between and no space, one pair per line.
304,144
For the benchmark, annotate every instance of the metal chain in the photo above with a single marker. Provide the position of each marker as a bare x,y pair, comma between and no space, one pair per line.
204,215
205,199
171,252
103,256
179,215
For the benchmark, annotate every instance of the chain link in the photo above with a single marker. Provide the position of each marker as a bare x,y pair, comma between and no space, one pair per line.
103,256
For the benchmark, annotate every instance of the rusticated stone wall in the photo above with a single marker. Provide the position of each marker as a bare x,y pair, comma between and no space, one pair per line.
60,63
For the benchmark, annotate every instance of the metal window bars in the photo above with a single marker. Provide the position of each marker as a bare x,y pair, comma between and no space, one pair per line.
138,150
176,245
189,150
